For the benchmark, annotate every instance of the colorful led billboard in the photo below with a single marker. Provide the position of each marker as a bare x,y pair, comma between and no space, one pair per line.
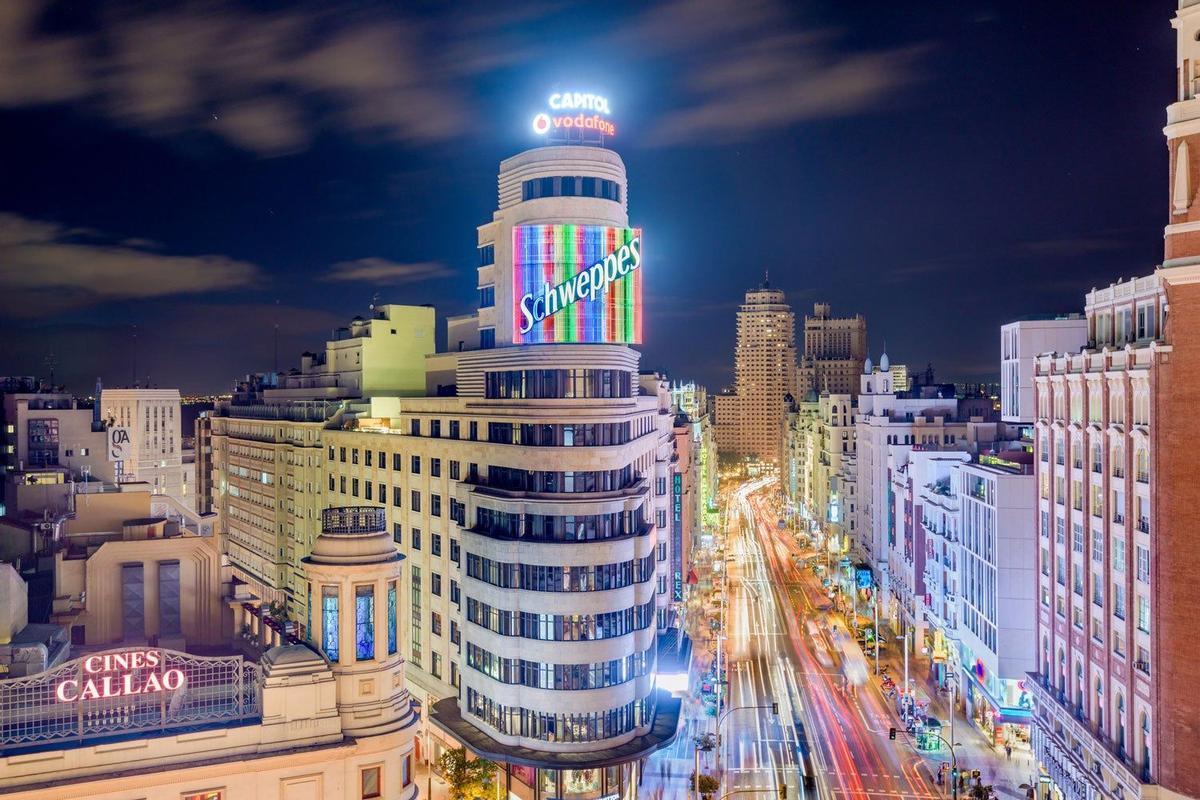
577,283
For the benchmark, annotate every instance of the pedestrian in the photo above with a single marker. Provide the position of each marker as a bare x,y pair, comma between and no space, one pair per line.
1008,751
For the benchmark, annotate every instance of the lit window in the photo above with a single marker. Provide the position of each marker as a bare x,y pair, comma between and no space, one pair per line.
329,622
209,794
364,622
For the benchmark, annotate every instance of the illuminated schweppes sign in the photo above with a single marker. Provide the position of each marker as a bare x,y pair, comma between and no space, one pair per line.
577,283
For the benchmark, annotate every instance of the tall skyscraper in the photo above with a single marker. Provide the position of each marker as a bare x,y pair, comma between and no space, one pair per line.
1117,707
835,349
750,420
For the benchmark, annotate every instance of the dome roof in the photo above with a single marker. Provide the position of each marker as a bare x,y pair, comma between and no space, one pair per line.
867,366
884,363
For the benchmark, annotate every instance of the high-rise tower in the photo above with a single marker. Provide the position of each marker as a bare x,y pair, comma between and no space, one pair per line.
749,421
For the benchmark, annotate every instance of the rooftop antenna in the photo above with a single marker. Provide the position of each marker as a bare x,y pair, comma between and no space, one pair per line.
51,362
275,355
133,355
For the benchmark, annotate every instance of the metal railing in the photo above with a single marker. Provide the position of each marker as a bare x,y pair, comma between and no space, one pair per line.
353,520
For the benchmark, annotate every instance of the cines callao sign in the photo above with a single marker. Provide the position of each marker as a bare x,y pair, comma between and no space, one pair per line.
577,283
119,674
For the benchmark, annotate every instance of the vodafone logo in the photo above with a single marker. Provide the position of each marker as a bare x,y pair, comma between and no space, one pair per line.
541,123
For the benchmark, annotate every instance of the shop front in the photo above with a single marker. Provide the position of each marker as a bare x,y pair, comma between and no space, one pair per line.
1000,707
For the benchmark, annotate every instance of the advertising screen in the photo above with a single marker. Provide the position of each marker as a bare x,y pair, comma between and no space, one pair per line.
577,283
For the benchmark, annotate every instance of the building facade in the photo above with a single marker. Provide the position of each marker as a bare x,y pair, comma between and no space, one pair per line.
1116,711
750,419
833,353
152,418
1020,345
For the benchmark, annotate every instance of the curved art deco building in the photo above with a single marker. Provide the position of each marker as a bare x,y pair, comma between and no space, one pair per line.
561,500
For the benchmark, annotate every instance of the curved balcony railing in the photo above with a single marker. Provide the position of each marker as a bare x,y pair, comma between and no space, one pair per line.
353,521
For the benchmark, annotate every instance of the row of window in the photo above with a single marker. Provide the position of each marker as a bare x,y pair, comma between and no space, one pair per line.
364,621
596,434
527,480
538,675
543,578
369,459
568,528
596,726
560,627
570,186
526,384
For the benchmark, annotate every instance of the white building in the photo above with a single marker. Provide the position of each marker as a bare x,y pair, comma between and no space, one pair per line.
1020,345
997,600
152,417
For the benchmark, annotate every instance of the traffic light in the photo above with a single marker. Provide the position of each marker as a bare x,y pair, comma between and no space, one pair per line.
954,774
775,708
891,733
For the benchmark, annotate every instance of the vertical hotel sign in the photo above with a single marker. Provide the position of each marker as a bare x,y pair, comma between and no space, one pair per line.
677,534
577,283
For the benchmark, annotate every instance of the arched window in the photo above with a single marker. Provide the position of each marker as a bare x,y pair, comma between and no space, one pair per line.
1141,459
1099,704
1079,687
1097,457
1118,460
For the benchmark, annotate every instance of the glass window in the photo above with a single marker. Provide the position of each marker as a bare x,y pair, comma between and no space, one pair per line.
391,618
416,465
370,782
364,622
487,296
329,622
487,338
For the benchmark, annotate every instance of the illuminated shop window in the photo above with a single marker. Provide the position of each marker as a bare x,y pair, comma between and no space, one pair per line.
329,622
364,622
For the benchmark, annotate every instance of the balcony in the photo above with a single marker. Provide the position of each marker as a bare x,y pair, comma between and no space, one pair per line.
1069,722
1143,524
1143,477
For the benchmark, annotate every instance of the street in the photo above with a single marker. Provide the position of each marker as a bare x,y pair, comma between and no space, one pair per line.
788,646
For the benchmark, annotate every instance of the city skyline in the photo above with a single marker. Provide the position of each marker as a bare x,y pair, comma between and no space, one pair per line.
332,187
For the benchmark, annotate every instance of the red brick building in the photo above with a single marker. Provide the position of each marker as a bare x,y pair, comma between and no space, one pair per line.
1118,711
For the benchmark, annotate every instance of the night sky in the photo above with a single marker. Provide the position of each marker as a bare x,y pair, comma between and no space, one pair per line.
195,174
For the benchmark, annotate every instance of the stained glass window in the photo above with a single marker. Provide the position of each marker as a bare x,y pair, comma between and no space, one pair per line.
329,622
391,618
364,621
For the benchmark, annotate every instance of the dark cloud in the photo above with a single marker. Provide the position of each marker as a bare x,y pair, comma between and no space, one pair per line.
749,68
382,271
263,82
46,267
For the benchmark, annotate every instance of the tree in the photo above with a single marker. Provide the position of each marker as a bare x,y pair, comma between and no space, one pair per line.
706,742
467,778
981,792
708,784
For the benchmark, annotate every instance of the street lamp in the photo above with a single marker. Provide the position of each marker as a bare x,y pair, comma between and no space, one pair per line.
721,719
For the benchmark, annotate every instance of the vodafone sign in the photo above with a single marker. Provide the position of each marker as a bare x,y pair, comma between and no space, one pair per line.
117,674
575,116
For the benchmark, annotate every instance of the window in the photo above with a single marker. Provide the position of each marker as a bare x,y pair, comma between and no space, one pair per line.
435,544
435,625
329,622
210,794
416,465
487,296
455,426
396,497
354,456
414,427
473,429
435,467
391,618
370,781
397,533
416,501
435,428
436,667
397,461
660,486
454,465
415,537
364,622
435,505
342,454
454,550
382,460
487,338
435,584
454,592
1143,564
487,255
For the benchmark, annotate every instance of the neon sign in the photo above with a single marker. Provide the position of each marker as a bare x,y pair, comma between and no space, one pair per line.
568,120
116,674
577,283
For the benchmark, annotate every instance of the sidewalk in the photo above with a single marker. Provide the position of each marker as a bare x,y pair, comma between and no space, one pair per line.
974,749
